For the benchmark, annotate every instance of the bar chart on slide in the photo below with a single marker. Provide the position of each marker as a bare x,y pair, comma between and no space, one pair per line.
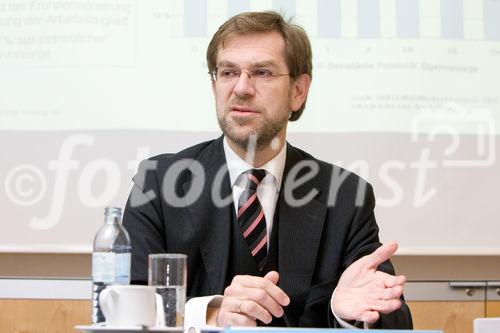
362,19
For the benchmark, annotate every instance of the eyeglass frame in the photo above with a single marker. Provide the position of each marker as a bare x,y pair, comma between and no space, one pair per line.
250,74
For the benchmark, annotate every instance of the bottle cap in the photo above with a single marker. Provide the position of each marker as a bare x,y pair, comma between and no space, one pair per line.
113,211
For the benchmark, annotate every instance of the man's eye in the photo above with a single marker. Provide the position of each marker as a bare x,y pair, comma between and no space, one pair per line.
263,73
228,73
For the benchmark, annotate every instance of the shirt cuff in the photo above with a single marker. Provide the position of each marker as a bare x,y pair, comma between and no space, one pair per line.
195,312
342,322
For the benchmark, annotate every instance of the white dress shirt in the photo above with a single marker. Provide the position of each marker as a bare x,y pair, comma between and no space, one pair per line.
269,187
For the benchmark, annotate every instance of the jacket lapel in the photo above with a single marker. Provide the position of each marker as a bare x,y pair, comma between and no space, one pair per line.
300,231
212,224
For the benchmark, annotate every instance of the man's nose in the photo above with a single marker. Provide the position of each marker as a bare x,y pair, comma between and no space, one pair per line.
245,85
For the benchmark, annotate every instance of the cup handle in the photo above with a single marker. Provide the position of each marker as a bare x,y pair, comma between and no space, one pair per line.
107,298
160,315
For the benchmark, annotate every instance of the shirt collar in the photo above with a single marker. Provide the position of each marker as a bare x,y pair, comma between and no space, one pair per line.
236,165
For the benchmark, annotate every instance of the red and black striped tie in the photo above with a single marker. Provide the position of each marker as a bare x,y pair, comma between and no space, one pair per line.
251,217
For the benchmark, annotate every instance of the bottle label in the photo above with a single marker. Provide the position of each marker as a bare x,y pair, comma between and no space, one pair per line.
110,267
122,268
103,267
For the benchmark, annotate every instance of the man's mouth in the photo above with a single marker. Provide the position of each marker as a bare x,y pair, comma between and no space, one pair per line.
242,110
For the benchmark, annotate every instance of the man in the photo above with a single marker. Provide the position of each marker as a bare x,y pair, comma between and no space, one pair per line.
286,239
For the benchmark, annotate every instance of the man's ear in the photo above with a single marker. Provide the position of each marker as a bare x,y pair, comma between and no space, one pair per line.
300,89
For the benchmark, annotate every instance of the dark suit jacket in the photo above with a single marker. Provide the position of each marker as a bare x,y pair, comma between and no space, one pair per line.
317,241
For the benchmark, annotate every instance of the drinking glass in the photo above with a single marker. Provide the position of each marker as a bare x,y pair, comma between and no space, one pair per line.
167,273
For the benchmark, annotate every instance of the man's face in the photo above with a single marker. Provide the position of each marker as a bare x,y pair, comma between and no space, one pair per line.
248,105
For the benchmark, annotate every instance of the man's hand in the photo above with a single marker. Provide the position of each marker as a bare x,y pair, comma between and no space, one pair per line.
249,298
363,292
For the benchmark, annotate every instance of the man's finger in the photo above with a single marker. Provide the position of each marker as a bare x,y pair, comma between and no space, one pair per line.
236,319
386,306
381,254
262,298
272,276
255,311
398,280
263,284
391,293
370,317
388,280
230,314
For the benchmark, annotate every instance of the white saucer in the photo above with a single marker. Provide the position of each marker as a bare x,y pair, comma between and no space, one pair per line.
126,329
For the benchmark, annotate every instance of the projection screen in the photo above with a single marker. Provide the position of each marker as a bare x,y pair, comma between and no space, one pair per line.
404,92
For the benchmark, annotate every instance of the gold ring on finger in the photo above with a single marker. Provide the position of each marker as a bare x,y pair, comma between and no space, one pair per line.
238,306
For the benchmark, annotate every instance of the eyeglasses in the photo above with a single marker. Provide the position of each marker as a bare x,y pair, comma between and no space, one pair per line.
227,75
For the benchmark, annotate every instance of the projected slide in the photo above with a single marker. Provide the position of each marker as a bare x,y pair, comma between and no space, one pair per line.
133,64
406,93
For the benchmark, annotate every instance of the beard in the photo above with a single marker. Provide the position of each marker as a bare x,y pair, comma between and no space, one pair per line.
263,133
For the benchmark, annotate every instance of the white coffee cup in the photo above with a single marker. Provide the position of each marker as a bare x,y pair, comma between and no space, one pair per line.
129,305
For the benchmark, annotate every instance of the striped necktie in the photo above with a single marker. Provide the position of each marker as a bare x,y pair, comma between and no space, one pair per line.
251,217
